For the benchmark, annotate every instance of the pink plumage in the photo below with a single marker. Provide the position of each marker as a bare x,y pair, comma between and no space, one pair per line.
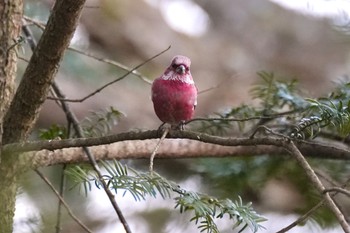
174,94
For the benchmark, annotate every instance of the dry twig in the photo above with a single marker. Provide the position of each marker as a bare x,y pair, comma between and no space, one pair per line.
318,184
72,119
76,219
166,131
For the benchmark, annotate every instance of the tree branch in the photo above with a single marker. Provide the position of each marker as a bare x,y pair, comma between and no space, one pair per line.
111,82
338,189
70,212
133,145
170,149
318,185
310,149
79,131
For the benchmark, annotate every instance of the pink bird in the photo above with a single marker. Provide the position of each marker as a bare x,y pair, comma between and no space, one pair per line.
174,94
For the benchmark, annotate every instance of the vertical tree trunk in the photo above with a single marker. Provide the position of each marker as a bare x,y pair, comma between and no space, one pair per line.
18,119
10,25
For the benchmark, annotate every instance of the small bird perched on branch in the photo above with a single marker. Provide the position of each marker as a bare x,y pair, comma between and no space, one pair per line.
174,94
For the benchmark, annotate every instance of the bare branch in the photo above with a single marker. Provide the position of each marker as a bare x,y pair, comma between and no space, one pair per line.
114,81
338,189
303,218
133,145
79,131
37,23
104,60
72,119
310,149
113,63
269,117
214,87
170,149
318,185
61,193
166,131
76,219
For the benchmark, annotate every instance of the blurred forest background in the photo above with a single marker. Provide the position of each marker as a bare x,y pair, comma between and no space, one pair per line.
228,43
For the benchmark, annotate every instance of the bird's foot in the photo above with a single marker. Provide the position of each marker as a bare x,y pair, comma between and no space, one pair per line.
163,127
180,126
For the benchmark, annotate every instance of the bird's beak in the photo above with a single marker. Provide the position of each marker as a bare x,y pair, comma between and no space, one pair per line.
181,69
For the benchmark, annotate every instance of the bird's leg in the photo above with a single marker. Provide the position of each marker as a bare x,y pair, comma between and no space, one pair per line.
161,127
180,126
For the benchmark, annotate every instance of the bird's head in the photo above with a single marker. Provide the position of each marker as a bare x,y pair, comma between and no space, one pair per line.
179,70
181,64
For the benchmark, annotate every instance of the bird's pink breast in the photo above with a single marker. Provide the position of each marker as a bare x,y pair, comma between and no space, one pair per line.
173,101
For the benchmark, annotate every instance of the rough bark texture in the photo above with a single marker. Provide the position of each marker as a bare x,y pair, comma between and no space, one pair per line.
10,21
179,144
32,91
41,70
10,24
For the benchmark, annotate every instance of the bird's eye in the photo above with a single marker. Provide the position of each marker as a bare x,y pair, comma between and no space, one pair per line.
174,66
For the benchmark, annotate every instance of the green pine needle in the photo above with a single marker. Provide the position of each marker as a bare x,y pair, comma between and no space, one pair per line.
205,209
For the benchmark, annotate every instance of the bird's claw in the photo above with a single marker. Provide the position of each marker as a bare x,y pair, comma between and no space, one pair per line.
180,126
164,126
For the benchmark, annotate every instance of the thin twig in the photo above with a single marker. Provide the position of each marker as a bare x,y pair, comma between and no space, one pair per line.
37,23
92,7
62,201
29,36
213,87
165,133
59,206
110,83
326,177
337,189
104,60
295,152
265,129
32,44
72,118
291,147
268,117
23,59
113,63
305,216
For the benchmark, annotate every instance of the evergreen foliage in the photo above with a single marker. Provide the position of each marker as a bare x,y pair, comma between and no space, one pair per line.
101,123
281,107
204,208
285,109
54,132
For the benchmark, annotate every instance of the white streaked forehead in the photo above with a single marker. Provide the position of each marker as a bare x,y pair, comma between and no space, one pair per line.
181,60
171,75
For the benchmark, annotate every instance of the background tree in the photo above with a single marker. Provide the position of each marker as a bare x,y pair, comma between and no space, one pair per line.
282,120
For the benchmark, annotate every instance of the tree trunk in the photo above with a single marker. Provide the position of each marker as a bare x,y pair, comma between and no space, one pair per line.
19,117
10,25
41,70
